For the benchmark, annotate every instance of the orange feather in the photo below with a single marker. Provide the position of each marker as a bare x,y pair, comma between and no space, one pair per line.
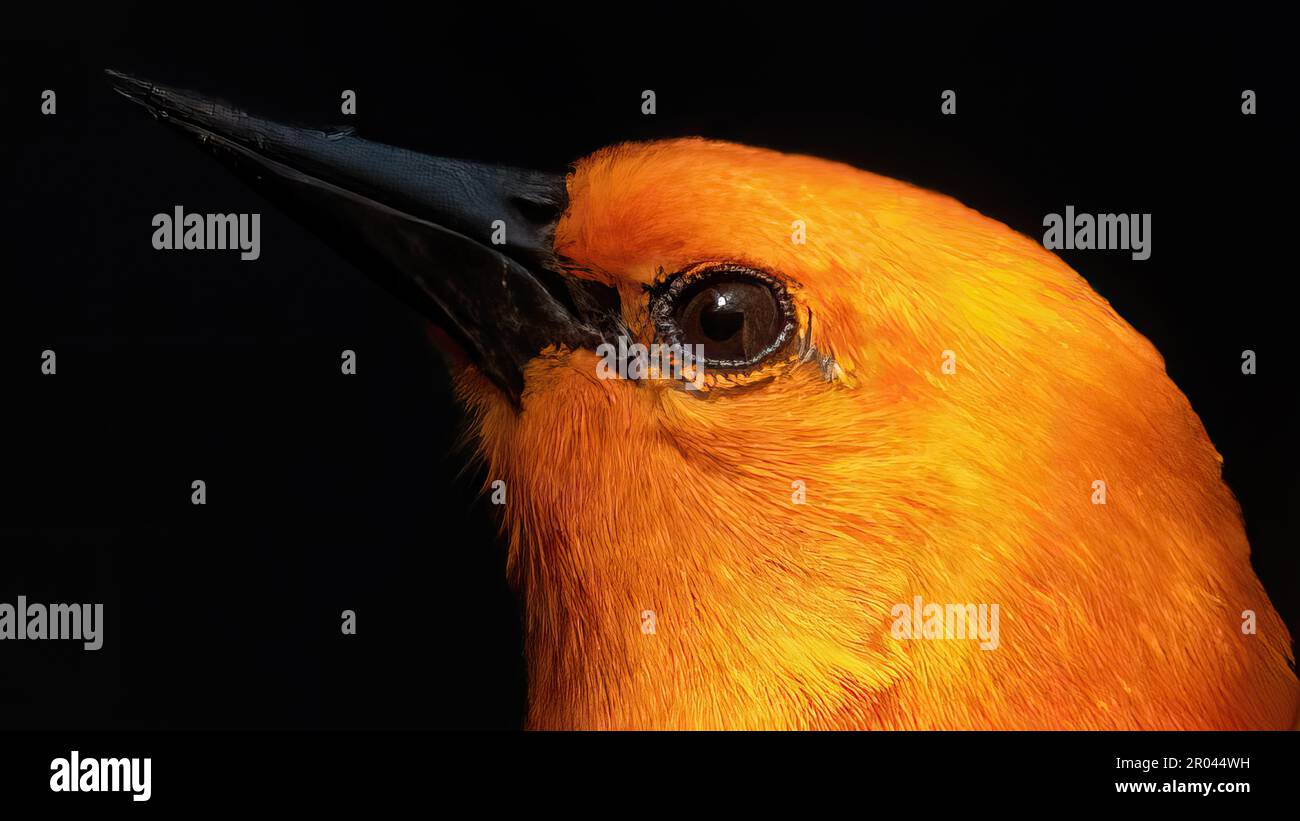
973,486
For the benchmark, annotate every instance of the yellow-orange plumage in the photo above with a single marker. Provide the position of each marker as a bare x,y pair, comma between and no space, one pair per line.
973,486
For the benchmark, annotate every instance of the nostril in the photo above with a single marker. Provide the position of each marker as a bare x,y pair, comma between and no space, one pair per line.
534,211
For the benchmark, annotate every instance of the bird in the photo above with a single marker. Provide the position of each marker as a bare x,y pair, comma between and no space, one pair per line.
896,400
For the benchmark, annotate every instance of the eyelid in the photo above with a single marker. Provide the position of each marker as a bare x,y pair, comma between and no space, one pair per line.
674,283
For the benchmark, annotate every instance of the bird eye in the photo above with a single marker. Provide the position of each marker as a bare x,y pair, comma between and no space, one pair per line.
738,315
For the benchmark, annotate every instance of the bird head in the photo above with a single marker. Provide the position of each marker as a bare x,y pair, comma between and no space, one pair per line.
909,399
857,394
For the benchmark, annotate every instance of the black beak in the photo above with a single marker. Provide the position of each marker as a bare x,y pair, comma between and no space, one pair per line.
423,226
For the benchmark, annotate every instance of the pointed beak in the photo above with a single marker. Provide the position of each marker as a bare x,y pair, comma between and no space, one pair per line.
467,245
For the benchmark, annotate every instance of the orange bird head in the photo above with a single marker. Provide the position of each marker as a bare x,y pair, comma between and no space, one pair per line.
936,425
915,473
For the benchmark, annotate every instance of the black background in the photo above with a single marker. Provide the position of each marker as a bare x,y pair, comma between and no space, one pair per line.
328,493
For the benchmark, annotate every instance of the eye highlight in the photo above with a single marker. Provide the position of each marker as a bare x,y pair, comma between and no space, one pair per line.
739,316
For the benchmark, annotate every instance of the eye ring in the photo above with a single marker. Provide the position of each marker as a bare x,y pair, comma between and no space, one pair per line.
676,299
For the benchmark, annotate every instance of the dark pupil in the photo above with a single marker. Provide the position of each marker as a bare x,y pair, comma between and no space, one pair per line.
733,320
721,324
